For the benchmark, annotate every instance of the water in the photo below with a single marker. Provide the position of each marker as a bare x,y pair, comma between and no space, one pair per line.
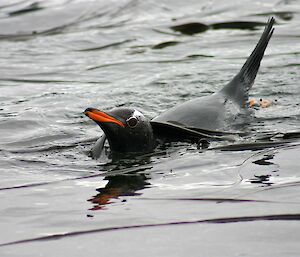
59,57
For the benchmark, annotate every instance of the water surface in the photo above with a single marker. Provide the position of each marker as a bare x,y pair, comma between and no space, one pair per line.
59,57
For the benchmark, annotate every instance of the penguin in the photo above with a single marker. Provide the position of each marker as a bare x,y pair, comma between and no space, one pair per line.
129,131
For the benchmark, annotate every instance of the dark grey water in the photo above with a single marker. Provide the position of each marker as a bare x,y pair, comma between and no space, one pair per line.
59,57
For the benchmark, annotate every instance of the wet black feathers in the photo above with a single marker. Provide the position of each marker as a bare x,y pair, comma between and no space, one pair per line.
251,66
240,85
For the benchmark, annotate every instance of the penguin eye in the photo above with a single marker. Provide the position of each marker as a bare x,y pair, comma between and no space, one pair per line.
132,122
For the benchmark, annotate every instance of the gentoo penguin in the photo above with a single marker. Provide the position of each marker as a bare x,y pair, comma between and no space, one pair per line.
127,130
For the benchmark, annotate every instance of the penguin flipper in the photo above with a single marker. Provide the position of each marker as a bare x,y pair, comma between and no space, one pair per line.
177,132
238,88
97,149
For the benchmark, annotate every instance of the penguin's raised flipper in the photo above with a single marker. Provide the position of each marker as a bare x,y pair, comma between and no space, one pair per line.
238,88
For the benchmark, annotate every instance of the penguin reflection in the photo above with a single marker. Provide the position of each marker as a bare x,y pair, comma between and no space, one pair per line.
119,185
122,184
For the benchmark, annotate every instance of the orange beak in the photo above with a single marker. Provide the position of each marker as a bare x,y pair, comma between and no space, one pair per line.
101,117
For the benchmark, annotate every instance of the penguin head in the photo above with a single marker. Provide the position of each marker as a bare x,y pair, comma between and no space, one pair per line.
127,130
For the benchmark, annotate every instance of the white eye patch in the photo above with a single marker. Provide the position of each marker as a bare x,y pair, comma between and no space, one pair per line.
136,113
132,122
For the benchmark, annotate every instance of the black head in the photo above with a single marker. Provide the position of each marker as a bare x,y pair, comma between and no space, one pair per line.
127,130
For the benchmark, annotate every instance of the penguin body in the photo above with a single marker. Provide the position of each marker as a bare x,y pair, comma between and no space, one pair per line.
128,131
